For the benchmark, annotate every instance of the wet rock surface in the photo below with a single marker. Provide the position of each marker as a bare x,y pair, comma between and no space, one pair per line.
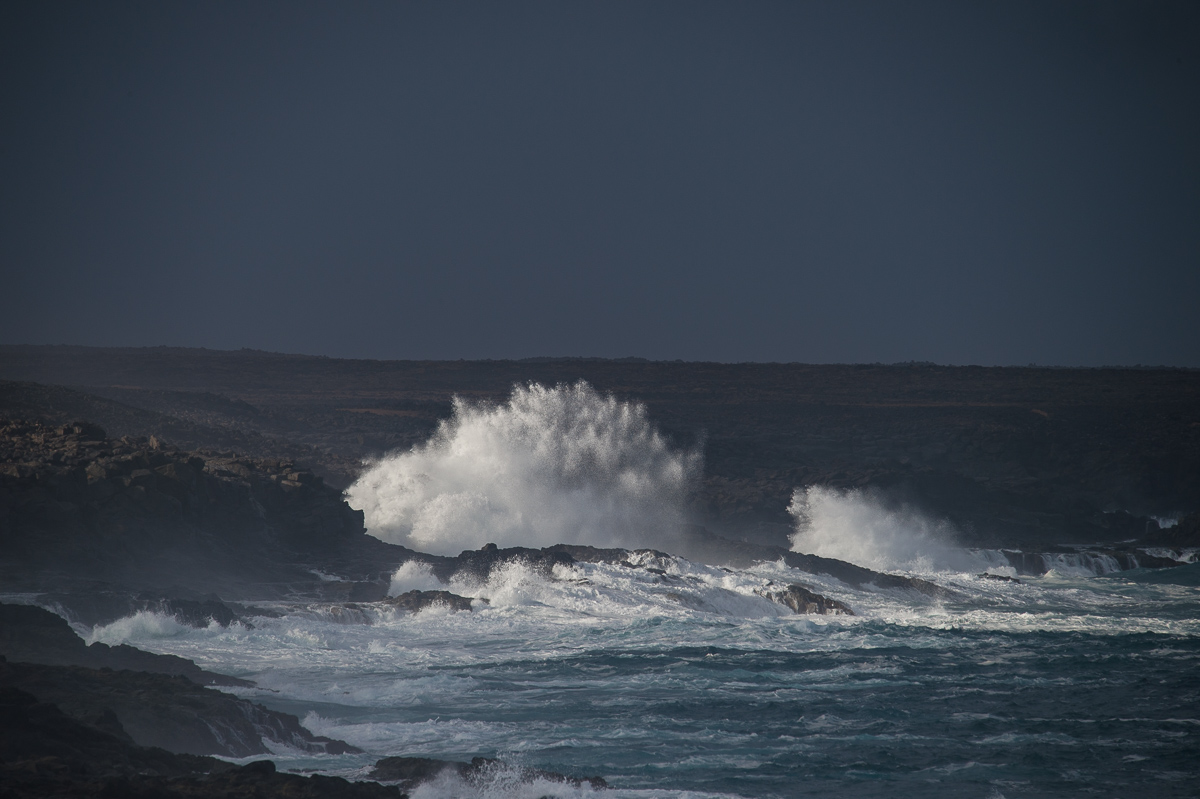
45,752
802,600
699,544
706,546
167,711
1000,578
1183,535
33,635
145,698
409,772
413,601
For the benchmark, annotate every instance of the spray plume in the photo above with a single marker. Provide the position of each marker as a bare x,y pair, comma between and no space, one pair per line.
857,527
552,465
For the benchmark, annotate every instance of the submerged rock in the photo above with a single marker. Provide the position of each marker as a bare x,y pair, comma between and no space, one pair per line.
998,577
409,772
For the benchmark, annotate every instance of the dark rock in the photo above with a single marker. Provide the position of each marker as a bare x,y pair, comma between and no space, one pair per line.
36,736
46,753
167,711
587,554
409,772
999,577
1184,534
258,768
35,635
414,601
137,517
479,564
703,545
698,543
1127,557
801,600
196,613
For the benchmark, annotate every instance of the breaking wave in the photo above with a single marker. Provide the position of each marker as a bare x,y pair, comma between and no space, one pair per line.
858,527
552,465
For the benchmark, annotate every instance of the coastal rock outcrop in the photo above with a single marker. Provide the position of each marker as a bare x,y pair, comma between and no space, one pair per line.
45,752
31,634
413,601
166,711
85,514
803,601
145,698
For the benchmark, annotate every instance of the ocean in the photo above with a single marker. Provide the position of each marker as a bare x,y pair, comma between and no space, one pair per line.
690,683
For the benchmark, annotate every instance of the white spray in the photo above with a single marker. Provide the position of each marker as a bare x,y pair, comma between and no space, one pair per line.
552,465
855,526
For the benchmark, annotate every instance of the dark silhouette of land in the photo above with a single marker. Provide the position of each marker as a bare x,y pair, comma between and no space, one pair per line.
1011,456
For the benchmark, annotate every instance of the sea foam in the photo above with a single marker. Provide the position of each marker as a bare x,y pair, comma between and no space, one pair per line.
551,465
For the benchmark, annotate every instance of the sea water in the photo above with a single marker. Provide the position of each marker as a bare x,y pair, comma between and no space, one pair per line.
692,683
688,680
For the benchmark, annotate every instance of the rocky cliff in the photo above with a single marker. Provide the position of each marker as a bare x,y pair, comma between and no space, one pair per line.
76,504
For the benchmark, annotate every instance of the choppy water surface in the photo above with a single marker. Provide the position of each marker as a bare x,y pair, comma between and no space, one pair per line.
690,682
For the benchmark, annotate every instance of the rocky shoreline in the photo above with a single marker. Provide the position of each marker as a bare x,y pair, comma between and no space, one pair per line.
98,528
151,726
1012,457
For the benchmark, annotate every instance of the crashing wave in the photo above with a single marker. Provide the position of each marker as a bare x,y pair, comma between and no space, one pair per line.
552,465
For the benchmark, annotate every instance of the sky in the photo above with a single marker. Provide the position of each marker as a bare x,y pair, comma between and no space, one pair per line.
823,182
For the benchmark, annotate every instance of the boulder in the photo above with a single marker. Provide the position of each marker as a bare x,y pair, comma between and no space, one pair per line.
414,601
803,601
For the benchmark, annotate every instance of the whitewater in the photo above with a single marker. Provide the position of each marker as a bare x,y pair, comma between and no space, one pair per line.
673,678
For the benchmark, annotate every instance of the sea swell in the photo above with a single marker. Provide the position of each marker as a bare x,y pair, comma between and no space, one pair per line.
996,673
1060,683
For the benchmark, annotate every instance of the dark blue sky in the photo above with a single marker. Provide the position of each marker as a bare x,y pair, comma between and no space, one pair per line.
990,183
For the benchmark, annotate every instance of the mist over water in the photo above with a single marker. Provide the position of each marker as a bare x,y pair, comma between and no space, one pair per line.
856,526
551,465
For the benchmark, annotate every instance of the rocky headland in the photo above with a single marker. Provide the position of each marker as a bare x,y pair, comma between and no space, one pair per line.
101,528
134,522
1021,458
216,483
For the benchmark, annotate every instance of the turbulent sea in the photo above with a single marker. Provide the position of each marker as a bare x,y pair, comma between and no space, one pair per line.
670,678
688,683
